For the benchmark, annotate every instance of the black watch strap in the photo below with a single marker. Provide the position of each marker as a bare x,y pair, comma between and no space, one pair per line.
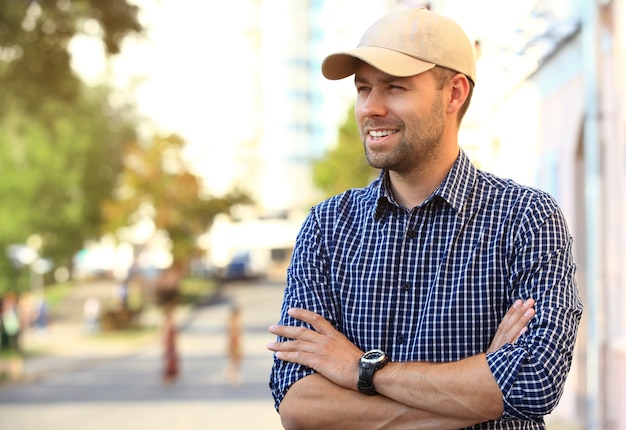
367,368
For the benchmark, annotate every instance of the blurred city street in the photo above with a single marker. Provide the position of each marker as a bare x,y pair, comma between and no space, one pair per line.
111,386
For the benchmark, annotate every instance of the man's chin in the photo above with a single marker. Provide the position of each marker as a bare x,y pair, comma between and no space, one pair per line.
377,161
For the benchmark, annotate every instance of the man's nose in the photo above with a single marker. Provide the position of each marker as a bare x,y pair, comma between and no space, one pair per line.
374,104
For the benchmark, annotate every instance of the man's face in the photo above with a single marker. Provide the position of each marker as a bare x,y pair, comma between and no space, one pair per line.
401,120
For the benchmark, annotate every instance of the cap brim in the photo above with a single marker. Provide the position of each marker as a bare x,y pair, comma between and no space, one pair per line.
343,64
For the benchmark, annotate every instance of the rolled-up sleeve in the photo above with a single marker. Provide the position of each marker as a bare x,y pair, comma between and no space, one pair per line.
284,373
531,373
306,278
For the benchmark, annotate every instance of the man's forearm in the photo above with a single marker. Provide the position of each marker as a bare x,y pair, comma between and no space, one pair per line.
314,402
431,395
464,389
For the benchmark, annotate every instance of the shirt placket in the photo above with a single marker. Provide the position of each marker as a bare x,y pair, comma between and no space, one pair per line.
409,283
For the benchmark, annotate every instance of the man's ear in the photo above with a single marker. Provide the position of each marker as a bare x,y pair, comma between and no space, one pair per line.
459,91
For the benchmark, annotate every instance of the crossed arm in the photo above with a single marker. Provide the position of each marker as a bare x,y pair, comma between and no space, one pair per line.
433,395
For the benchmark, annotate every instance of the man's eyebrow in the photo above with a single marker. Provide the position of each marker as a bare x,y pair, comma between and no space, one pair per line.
387,79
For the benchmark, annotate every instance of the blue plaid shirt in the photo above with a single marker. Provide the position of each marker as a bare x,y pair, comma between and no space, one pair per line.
433,283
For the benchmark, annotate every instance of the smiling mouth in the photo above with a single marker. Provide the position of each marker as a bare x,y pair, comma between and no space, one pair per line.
378,134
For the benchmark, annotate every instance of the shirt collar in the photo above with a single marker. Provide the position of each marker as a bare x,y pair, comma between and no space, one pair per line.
454,189
458,183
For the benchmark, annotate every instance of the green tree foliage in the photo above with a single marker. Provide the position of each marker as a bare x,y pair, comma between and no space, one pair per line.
344,166
60,141
55,173
34,39
156,175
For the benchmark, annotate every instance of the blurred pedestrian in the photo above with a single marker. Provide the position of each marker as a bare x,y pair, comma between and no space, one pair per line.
234,345
10,322
91,315
171,367
167,291
122,294
41,316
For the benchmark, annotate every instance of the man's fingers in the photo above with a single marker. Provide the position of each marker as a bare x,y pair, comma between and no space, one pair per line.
514,323
525,313
516,318
318,322
300,343
294,351
291,332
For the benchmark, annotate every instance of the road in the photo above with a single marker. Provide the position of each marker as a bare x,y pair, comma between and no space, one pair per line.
121,392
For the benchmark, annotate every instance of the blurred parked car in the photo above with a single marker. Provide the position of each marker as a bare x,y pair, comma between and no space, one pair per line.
246,264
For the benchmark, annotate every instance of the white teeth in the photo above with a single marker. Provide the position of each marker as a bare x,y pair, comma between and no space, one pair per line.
378,134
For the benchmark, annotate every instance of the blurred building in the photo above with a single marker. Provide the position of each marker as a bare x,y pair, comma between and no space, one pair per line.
297,114
298,110
554,117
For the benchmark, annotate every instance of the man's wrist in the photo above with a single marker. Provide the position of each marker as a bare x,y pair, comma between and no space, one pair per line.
369,363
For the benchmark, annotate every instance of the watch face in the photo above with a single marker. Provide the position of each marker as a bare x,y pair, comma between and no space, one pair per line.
373,356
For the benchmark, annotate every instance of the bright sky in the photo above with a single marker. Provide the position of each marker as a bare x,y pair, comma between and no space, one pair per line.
192,74
188,76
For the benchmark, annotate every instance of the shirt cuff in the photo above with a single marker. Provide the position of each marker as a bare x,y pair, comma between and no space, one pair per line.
506,364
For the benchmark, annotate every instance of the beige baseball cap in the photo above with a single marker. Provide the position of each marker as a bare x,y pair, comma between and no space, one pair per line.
407,43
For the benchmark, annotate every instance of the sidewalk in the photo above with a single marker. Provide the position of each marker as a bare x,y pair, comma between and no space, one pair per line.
93,383
67,346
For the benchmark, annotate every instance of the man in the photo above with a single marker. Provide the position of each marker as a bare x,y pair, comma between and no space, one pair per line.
439,296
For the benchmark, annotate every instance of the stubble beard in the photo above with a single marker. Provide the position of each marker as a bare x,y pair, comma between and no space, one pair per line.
419,144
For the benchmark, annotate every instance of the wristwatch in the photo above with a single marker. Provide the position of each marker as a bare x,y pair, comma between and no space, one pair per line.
370,362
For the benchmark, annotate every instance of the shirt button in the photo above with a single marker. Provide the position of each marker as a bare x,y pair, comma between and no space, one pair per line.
406,286
401,339
411,234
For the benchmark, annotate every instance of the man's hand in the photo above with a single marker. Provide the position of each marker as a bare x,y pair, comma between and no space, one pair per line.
324,349
330,353
514,324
